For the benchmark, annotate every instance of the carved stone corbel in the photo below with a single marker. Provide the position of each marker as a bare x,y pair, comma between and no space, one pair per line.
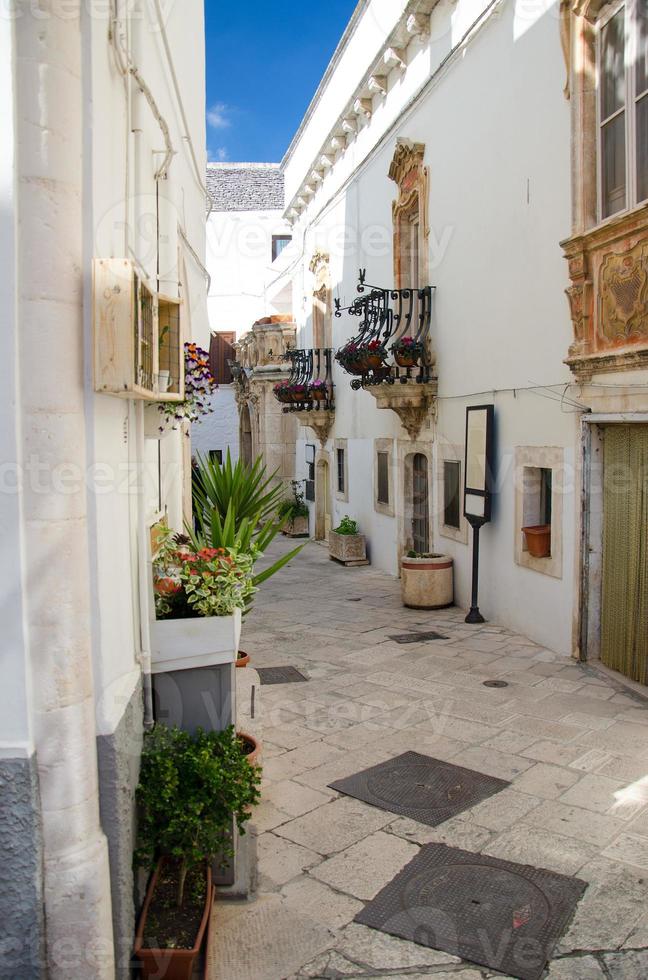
320,420
412,402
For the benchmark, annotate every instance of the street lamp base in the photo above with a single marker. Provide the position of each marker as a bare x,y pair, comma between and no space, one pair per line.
474,616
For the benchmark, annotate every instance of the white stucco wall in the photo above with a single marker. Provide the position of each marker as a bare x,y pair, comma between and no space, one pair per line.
496,128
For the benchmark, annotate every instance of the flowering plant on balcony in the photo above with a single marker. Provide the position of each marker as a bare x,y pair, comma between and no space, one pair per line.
407,351
299,393
199,386
318,390
207,582
283,391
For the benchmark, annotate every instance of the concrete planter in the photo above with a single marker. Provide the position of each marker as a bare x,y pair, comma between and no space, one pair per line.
427,583
182,644
350,549
297,528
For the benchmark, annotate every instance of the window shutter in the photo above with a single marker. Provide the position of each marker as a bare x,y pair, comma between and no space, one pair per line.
220,352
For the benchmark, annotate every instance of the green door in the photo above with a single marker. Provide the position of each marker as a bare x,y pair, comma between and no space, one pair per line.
624,609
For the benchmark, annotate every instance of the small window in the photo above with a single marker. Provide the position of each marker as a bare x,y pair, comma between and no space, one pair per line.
279,243
216,456
537,505
382,464
340,471
452,493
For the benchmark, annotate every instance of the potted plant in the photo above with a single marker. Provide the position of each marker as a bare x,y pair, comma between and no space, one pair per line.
190,790
374,355
318,390
299,393
199,387
295,513
199,597
407,352
346,544
538,540
282,392
242,659
426,581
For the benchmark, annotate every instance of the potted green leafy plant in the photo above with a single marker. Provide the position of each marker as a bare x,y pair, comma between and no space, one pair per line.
294,512
190,790
346,544
407,352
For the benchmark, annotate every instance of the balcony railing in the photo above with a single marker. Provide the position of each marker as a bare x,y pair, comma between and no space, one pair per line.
310,385
393,342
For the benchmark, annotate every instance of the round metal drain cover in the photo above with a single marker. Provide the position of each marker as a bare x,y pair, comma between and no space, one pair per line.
495,683
423,789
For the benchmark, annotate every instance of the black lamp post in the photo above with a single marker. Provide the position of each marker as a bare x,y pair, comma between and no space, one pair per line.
478,470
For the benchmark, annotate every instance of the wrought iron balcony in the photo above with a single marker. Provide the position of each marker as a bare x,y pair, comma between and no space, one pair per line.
393,342
310,385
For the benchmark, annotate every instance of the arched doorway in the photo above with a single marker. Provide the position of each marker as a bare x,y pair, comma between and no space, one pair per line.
245,435
417,503
322,500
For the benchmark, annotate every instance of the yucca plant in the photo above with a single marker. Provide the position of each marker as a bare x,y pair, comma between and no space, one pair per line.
252,493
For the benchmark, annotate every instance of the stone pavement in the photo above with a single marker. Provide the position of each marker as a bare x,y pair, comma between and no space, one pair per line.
573,743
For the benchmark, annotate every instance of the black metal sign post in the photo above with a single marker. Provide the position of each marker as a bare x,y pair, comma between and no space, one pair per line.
478,471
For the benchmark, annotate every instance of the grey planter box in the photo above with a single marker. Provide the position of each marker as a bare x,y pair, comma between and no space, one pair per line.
298,528
350,549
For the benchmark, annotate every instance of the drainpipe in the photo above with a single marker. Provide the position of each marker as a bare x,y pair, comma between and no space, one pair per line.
49,121
144,572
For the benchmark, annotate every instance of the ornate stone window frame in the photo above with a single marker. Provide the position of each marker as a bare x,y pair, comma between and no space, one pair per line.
607,260
343,445
412,177
322,316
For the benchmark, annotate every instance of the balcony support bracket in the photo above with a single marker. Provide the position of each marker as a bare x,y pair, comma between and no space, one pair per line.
320,420
410,401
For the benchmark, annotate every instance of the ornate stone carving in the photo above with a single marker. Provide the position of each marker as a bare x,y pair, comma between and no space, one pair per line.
319,260
412,177
608,296
412,402
320,420
624,295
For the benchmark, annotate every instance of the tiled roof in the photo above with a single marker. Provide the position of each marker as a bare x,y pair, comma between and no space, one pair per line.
246,186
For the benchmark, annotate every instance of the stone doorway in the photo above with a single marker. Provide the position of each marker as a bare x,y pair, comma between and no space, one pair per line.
322,500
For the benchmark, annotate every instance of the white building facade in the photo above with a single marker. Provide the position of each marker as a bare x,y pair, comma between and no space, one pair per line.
248,251
102,185
454,145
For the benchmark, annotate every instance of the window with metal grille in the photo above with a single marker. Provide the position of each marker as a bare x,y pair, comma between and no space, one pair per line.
452,493
279,243
382,476
340,471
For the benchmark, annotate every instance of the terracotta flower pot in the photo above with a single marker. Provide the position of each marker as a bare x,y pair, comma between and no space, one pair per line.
538,539
253,756
242,659
318,394
374,361
172,964
405,360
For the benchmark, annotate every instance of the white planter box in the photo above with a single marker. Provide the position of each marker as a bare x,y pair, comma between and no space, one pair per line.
179,644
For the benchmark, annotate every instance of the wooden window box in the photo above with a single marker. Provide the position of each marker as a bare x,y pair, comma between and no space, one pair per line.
138,335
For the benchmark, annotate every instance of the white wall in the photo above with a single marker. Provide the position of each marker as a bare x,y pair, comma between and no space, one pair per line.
220,430
496,129
239,259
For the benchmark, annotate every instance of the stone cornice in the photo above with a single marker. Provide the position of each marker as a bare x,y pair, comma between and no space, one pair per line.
357,112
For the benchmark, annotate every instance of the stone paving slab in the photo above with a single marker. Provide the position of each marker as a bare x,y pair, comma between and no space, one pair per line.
571,740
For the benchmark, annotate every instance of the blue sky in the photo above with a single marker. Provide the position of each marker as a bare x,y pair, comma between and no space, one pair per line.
265,58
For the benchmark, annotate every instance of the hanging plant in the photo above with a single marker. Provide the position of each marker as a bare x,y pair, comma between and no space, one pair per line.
199,387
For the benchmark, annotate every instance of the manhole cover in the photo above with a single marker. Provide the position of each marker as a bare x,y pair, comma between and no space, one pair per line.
417,637
495,683
417,786
503,916
280,675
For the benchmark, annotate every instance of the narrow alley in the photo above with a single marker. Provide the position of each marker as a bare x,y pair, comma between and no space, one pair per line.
573,745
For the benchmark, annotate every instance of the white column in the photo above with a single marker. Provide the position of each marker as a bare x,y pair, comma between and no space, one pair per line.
51,346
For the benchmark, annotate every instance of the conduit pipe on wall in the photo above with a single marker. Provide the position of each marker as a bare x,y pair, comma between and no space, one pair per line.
144,572
49,138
